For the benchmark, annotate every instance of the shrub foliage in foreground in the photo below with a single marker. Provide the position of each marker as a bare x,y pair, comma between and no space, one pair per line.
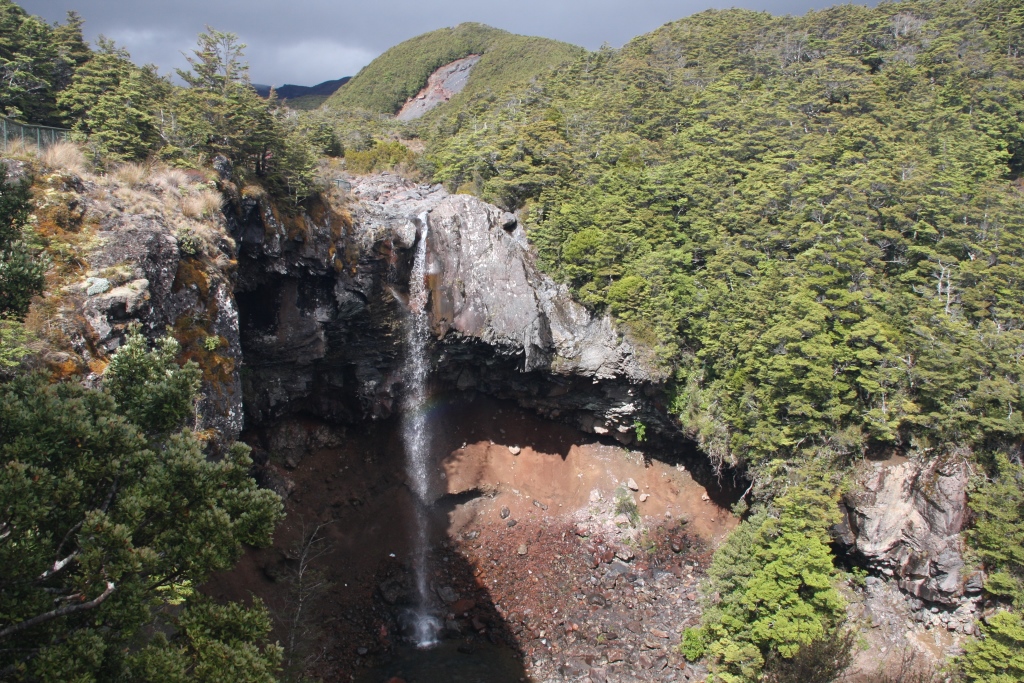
108,517
772,592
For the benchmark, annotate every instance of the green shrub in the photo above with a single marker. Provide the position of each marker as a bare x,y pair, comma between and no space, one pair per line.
109,504
774,582
382,156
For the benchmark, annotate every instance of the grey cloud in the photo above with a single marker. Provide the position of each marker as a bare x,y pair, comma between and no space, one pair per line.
308,41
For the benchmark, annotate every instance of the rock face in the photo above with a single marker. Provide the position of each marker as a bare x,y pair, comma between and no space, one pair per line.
322,315
443,84
904,520
136,274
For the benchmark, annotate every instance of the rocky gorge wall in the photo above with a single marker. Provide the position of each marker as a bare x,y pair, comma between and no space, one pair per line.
320,315
298,315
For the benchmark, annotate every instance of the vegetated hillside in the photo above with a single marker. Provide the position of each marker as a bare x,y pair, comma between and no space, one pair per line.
303,97
508,60
819,219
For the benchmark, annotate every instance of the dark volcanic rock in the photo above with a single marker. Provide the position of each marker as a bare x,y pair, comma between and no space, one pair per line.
322,308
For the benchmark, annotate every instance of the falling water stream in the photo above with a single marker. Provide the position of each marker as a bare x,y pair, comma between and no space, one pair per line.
416,437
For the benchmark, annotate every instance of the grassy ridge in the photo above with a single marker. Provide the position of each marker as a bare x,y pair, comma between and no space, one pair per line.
508,60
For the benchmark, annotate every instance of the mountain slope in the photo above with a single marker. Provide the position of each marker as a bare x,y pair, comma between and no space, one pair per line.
508,60
819,217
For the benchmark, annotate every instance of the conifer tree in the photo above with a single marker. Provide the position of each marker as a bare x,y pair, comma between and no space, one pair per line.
21,272
110,516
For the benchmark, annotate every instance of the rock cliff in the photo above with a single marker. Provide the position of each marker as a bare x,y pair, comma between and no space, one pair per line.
301,314
321,312
904,520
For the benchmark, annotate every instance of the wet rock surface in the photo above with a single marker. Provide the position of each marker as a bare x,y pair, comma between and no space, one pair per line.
320,309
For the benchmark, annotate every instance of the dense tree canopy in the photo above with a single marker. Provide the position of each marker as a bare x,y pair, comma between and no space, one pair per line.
818,218
109,517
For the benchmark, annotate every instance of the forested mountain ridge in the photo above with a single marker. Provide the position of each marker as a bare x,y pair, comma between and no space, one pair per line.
508,61
817,218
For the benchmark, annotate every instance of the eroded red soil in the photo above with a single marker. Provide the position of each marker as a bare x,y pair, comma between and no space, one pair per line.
541,569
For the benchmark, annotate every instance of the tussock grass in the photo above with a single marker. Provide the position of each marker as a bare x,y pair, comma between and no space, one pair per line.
253,191
66,156
169,178
132,174
202,204
16,149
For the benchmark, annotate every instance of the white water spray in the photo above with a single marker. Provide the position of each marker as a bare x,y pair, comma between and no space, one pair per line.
416,437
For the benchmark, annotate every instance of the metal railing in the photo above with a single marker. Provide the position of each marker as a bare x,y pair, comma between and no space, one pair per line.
28,134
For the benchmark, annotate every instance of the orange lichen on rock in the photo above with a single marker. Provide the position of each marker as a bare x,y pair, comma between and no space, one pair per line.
192,333
191,274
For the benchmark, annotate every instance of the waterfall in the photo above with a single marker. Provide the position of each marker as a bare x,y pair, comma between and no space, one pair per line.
416,436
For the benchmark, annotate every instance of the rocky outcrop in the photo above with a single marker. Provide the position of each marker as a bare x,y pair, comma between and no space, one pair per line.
446,82
322,315
126,268
903,519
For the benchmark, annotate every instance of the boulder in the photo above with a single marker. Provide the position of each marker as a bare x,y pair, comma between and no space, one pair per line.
904,519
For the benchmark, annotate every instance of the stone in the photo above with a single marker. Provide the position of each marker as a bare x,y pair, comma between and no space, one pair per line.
538,504
631,483
595,496
522,550
615,655
511,523
514,450
509,221
461,607
223,166
618,568
644,497
905,519
97,285
504,513
394,590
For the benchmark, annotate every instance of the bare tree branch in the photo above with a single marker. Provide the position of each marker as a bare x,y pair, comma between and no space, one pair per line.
60,612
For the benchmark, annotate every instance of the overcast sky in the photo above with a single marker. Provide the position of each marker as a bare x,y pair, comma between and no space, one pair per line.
305,42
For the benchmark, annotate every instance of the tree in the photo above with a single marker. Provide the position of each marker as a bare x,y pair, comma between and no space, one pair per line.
36,62
111,102
21,272
774,595
216,64
220,113
998,657
108,520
